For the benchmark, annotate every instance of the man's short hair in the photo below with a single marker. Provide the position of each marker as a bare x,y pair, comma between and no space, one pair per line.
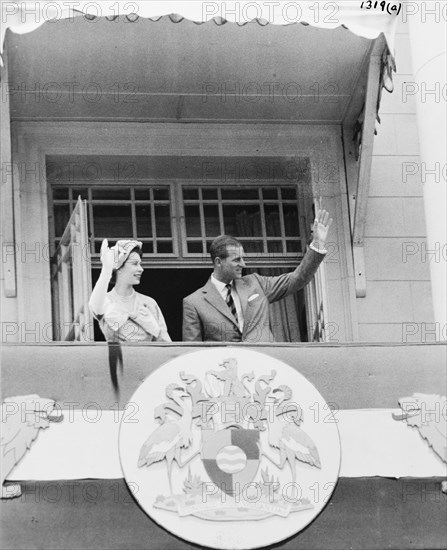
218,248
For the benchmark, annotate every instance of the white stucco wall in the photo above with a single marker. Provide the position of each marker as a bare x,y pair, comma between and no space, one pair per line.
398,305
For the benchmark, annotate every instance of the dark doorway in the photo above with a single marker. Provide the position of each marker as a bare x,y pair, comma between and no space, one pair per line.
167,287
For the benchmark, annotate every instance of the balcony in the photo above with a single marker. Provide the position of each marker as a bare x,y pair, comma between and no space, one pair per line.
370,511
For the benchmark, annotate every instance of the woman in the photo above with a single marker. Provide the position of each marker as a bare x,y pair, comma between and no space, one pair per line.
123,314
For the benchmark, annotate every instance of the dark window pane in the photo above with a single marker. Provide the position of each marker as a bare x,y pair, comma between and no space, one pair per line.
161,194
209,194
192,220
195,247
164,247
270,193
272,221
61,217
288,193
111,194
141,194
212,227
148,247
60,193
242,221
190,193
144,226
274,246
112,221
291,224
251,246
80,191
294,246
163,221
233,193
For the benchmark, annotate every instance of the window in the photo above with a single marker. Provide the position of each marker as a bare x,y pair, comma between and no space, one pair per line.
117,212
177,219
265,218
268,220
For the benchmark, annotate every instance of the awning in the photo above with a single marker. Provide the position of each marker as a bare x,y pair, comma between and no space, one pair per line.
369,22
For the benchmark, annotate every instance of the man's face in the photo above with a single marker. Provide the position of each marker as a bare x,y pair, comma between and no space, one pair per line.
230,268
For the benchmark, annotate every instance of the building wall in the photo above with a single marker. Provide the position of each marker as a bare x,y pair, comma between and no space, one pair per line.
8,301
398,303
398,300
32,142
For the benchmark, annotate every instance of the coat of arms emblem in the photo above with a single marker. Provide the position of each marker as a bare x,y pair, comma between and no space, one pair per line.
231,437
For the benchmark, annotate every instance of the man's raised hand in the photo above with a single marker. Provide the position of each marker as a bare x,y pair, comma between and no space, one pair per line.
321,224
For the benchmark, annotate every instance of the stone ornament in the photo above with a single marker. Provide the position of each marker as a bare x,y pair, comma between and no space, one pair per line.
21,419
224,438
427,413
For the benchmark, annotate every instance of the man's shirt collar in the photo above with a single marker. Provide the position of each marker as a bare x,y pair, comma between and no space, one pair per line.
221,287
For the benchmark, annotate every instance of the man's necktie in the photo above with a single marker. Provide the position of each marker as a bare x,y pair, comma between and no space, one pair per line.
230,302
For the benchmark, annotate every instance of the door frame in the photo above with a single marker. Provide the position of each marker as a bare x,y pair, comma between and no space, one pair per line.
33,141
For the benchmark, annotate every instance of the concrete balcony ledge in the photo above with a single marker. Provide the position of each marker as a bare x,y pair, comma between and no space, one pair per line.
351,376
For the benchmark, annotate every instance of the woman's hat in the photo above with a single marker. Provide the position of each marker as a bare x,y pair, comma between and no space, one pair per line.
123,249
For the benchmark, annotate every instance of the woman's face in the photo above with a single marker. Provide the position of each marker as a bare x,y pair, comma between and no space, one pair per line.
130,272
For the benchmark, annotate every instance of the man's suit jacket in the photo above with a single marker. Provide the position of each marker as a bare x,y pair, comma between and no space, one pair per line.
206,316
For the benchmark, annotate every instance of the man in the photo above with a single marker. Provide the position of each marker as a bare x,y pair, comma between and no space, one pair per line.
233,308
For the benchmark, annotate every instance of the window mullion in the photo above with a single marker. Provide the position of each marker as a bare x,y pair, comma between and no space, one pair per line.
153,224
281,222
220,207
134,214
181,226
175,218
202,221
263,223
301,206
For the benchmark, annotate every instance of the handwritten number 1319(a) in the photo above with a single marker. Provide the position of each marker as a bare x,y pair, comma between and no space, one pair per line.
385,6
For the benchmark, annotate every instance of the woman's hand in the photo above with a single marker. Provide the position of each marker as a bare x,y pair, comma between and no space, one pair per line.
107,257
98,297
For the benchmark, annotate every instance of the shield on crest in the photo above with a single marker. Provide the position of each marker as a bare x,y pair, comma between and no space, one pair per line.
231,457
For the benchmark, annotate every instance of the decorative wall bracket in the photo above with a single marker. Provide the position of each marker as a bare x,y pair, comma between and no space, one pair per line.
380,68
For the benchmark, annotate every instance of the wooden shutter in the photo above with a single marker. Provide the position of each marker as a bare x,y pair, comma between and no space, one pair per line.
72,281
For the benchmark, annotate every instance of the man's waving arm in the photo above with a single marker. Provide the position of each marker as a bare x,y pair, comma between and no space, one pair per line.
277,288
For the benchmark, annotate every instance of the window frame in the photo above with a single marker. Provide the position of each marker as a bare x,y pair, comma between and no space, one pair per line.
95,242
180,257
32,143
263,259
